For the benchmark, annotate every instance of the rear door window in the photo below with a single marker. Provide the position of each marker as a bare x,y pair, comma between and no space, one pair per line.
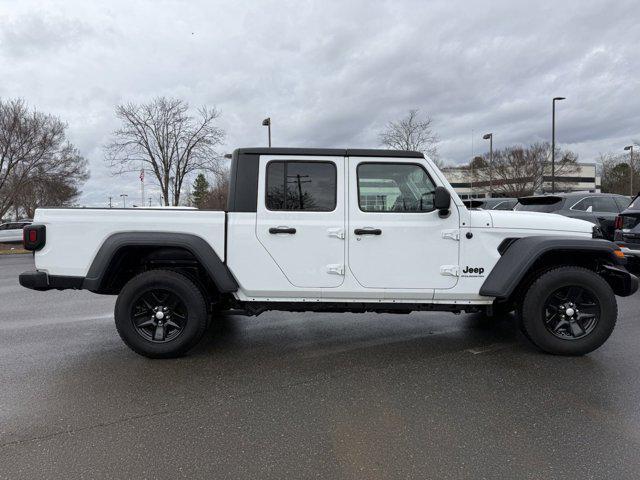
596,204
623,202
604,204
298,185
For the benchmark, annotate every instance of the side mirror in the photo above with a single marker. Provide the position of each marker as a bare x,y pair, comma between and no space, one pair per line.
442,200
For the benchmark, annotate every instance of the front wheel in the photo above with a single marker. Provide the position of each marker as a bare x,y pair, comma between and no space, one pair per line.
160,314
569,311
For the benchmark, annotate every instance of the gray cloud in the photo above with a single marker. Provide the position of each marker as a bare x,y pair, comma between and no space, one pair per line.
332,73
35,34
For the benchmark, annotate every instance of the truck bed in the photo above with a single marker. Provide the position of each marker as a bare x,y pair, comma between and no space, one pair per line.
74,235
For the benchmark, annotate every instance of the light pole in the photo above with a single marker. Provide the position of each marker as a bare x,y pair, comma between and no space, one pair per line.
630,148
553,144
124,200
267,123
489,136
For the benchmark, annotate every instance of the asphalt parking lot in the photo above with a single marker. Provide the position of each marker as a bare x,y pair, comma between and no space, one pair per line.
428,395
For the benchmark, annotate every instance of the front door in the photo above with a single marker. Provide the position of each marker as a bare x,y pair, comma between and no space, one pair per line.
397,240
301,217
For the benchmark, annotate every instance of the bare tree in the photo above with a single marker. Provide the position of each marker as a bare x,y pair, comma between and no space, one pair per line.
165,138
59,187
412,133
33,148
216,198
614,176
517,171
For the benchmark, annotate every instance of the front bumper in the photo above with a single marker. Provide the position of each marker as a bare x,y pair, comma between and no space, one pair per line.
622,282
36,280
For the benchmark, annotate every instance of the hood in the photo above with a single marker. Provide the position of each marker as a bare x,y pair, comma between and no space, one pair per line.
538,221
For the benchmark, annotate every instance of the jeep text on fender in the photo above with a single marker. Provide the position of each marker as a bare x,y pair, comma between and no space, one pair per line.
332,230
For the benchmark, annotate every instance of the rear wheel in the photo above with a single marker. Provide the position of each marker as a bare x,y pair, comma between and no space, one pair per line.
569,311
160,314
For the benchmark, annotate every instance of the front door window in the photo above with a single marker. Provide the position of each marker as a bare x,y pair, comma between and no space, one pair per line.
394,187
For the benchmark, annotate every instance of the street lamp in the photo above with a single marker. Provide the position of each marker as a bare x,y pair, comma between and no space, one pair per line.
630,148
124,200
489,136
267,123
553,143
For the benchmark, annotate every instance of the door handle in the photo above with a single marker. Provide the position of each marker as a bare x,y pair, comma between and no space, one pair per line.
367,231
276,230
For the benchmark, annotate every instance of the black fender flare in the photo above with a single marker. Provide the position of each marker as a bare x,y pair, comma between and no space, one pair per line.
201,250
521,254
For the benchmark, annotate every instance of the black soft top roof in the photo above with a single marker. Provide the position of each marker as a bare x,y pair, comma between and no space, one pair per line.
336,152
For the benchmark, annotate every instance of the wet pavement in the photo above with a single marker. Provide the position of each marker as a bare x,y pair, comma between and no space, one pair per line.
284,395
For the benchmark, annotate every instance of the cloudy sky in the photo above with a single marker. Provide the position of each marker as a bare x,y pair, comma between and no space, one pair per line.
332,73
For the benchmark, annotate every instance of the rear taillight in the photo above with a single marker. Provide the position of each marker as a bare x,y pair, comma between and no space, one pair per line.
617,224
34,237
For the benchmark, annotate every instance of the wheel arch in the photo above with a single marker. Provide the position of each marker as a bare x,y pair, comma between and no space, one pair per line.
119,250
526,258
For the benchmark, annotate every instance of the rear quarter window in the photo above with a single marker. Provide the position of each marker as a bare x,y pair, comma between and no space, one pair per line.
539,207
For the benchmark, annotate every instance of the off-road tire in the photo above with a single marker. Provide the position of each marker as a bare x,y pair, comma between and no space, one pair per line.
533,311
193,305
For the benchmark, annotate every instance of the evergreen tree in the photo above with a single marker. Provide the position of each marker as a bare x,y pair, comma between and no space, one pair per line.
200,191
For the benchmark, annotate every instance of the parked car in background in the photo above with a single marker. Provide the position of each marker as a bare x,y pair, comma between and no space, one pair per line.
600,209
627,232
12,231
491,203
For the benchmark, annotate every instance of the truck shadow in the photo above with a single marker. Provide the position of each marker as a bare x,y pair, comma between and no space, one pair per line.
305,333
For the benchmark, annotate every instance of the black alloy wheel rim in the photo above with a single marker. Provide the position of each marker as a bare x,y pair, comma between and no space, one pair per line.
159,315
571,312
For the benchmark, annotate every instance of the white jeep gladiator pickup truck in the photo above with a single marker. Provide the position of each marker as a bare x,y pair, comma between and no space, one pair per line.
332,230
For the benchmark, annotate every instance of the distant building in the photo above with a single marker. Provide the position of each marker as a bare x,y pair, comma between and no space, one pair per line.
582,178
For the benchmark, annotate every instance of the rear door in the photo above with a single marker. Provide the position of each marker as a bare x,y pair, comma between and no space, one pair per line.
301,217
397,240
